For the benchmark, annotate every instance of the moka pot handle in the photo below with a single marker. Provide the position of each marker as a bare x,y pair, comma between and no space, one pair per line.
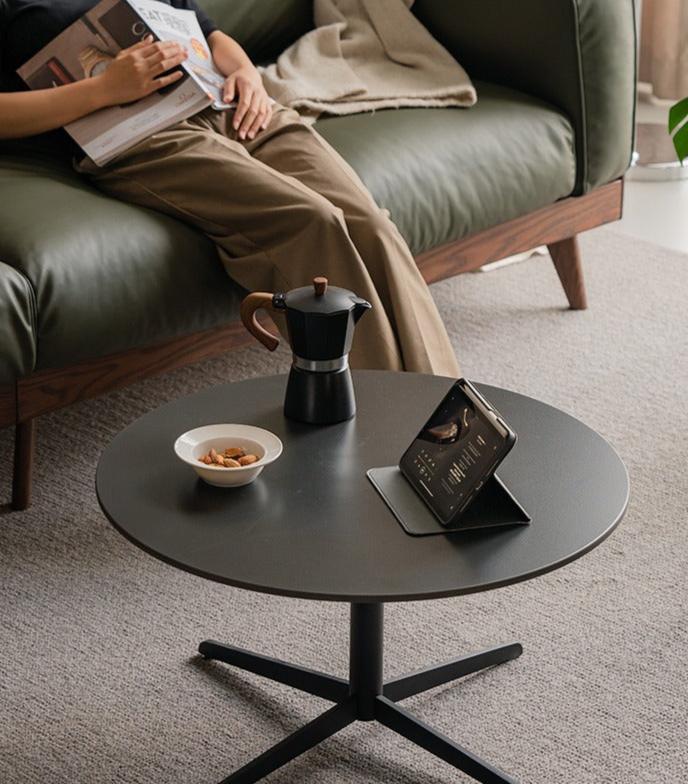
249,306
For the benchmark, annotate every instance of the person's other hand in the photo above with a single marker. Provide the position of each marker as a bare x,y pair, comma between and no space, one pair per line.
254,107
136,71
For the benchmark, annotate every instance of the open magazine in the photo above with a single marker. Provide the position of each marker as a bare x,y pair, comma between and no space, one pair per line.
86,48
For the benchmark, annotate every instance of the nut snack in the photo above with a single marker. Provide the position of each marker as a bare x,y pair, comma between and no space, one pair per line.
232,457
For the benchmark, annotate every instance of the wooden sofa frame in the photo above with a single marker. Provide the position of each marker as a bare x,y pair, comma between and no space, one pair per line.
556,226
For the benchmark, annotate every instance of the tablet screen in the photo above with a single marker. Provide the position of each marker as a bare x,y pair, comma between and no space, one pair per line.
457,449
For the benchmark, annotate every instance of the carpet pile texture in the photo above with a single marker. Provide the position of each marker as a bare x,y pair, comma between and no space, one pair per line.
99,681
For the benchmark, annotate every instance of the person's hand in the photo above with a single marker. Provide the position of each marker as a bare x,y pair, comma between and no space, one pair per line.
254,107
136,71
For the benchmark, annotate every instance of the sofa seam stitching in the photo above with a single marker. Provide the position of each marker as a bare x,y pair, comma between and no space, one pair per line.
636,58
583,106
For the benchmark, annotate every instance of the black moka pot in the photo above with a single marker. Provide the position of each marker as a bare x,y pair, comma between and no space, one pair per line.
320,322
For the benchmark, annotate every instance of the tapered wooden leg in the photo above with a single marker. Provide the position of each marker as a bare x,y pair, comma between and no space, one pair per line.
566,257
24,444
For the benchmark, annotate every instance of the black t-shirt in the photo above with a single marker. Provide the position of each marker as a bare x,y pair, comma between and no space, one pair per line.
26,26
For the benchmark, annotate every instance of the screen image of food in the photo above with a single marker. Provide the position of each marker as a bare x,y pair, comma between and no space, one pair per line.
453,452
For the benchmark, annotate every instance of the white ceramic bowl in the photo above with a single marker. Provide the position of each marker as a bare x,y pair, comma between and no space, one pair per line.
192,445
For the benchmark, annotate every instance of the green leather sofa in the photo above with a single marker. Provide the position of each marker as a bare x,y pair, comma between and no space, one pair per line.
95,293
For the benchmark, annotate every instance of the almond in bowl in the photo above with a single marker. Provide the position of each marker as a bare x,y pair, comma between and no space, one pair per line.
231,457
228,455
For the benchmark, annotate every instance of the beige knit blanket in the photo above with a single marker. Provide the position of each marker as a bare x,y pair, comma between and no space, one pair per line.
364,55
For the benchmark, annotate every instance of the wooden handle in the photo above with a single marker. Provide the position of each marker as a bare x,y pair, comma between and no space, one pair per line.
249,306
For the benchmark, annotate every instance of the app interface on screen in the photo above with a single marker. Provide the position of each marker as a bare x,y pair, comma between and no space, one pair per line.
452,452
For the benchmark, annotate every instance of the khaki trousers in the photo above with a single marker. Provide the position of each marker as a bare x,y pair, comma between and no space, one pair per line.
282,209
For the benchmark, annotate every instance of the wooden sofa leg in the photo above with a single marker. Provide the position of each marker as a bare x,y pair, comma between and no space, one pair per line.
567,262
24,443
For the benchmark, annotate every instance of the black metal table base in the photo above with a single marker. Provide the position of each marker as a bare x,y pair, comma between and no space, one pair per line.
363,697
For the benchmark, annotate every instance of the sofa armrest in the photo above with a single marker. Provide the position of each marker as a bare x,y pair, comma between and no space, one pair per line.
17,326
578,55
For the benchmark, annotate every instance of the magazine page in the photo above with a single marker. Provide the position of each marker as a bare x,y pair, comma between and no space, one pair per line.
176,24
85,49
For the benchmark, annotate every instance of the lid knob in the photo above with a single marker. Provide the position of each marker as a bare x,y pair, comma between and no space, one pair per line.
320,286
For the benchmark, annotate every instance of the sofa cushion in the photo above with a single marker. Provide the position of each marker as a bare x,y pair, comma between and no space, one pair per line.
446,173
106,276
17,321
265,28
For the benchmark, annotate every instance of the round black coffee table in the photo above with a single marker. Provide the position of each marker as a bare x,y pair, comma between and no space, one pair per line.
312,526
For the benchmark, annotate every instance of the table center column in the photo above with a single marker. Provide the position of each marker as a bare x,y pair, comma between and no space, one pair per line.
365,662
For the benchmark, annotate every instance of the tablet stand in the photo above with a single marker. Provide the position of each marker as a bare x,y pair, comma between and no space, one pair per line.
493,506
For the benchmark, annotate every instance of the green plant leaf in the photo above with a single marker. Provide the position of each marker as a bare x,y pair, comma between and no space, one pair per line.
680,139
677,114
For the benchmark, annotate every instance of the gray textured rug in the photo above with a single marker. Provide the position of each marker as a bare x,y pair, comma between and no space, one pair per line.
98,682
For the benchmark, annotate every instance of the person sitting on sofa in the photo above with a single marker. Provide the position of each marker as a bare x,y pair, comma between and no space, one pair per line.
281,205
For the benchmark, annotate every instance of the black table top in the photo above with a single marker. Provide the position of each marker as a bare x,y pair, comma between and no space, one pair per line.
313,526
